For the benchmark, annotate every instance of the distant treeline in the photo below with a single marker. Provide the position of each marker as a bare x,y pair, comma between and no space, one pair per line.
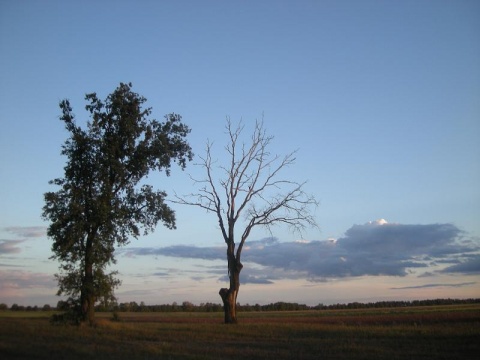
187,306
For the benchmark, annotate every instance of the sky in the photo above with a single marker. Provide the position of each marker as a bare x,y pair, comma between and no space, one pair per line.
380,98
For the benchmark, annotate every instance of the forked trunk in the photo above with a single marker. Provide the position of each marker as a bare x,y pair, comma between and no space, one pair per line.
229,305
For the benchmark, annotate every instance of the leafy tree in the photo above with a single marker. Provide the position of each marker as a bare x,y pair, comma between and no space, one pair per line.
61,305
248,190
102,201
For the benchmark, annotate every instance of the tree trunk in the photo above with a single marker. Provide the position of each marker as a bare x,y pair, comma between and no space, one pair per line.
229,296
87,297
229,305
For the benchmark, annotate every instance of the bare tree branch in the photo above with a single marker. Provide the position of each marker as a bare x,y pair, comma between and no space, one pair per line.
250,179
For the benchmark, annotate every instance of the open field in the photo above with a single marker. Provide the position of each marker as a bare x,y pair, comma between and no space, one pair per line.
436,332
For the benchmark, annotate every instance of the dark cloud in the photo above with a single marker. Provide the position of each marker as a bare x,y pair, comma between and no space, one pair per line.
161,274
426,274
10,246
27,231
470,266
376,248
396,240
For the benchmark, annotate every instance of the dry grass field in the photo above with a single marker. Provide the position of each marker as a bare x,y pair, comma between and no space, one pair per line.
436,332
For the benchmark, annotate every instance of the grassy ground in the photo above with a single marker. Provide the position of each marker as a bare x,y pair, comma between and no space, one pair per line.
446,332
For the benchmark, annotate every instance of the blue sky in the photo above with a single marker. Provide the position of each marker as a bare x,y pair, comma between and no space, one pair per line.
381,99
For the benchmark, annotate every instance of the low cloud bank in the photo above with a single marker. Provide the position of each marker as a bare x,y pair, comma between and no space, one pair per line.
373,249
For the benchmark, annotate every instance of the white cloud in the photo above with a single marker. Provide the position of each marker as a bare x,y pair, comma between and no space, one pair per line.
377,222
302,241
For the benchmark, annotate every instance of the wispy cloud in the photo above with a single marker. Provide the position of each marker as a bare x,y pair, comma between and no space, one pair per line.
10,246
19,279
183,251
27,231
434,286
376,248
11,265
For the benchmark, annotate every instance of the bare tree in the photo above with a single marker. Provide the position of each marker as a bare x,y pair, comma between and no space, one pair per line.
249,188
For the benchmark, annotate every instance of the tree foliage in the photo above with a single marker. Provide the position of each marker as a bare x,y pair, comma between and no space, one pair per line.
249,189
102,201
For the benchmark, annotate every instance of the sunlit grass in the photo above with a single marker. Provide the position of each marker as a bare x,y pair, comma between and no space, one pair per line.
407,333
